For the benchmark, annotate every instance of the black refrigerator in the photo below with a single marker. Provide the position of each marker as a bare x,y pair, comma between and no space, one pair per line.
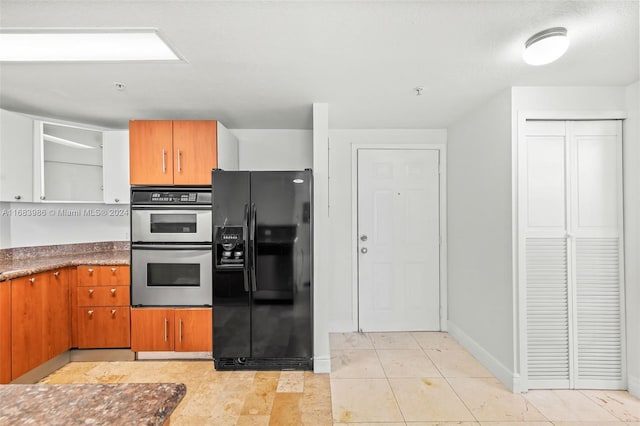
262,270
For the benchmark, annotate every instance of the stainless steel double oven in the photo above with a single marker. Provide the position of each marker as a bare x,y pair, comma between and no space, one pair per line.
171,246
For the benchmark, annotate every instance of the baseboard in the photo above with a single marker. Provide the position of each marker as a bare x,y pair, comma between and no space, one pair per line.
633,385
83,355
174,355
502,373
43,370
322,364
342,327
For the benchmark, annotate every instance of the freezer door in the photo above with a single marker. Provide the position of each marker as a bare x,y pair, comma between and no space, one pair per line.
281,220
231,293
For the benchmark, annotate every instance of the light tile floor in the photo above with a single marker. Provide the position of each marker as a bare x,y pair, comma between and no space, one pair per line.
429,379
219,398
391,379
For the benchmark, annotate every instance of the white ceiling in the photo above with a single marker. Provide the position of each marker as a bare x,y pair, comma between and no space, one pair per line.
261,64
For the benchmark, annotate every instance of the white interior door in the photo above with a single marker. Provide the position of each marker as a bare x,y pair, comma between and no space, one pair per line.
398,240
571,213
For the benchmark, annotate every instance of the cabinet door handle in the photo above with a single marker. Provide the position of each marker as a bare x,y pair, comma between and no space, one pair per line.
114,270
113,312
166,329
90,271
90,312
32,280
90,292
113,291
181,330
164,162
56,274
179,162
18,197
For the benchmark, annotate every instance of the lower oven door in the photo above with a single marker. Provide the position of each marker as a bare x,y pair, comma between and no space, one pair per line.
171,275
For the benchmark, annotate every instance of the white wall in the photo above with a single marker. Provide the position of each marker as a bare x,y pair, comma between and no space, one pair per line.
321,240
480,235
36,224
568,98
631,165
341,282
274,149
5,226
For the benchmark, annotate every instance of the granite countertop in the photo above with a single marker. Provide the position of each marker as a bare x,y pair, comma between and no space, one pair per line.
26,261
90,404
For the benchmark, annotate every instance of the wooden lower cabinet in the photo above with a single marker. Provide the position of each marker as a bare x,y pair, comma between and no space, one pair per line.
193,330
40,319
103,327
173,329
5,332
57,327
102,313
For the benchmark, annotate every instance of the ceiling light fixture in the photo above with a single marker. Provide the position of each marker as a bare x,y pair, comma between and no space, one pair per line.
546,46
64,45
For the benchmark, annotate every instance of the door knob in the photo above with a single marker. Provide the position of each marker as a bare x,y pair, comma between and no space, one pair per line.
363,237
363,250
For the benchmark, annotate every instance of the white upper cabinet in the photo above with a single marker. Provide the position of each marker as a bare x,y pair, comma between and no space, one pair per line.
70,163
115,166
16,157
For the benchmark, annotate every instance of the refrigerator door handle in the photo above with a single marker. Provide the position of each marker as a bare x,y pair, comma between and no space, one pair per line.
252,237
245,275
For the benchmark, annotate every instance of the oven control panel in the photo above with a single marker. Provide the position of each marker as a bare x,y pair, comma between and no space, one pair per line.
158,196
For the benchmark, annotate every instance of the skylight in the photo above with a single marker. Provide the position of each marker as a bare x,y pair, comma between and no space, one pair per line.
83,45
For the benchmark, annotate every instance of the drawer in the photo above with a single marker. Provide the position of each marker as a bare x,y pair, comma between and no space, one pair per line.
104,327
104,296
103,275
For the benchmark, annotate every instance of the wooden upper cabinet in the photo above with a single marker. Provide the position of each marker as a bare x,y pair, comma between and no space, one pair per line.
172,152
195,153
151,152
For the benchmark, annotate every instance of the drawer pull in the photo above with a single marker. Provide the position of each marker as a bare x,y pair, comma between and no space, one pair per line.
113,291
90,312
114,270
90,271
90,292
32,280
113,312
56,274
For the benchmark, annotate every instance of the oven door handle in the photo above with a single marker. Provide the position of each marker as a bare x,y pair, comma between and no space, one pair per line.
172,247
170,208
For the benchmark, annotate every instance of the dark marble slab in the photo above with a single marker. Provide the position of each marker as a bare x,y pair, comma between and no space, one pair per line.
25,261
90,404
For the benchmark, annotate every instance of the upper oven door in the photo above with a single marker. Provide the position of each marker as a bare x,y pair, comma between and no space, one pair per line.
171,225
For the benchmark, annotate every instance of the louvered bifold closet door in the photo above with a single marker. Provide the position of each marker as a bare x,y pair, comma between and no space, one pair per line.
547,312
543,204
596,219
599,332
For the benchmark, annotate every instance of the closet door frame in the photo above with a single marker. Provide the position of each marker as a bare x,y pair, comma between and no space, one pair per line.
520,378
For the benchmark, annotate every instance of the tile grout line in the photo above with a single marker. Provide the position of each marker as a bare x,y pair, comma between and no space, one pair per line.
450,385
